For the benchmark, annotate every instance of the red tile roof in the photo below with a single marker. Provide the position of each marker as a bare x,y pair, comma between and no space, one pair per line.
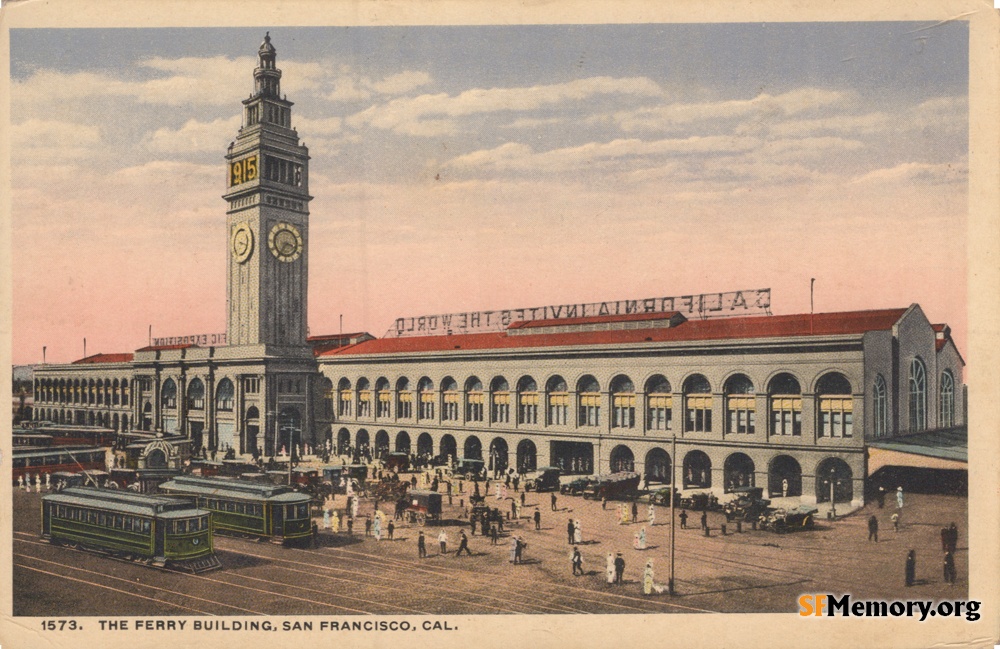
820,324
556,322
155,348
104,358
335,337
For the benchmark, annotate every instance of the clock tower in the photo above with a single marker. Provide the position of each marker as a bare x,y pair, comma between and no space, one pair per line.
268,219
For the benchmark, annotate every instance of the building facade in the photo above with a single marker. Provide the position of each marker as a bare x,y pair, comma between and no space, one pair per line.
788,403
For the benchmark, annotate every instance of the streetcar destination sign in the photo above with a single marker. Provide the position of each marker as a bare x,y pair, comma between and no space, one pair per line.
704,305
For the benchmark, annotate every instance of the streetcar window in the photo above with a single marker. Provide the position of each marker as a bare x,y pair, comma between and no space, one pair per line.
119,522
102,519
145,525
61,511
258,510
91,517
19,462
181,527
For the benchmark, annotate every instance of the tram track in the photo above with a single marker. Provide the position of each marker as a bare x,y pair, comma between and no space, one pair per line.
341,608
549,591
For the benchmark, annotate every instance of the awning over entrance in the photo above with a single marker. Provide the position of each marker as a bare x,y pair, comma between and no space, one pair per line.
938,449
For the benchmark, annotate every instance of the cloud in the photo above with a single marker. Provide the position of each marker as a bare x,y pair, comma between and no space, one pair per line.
617,153
37,140
194,136
435,114
917,173
351,86
763,107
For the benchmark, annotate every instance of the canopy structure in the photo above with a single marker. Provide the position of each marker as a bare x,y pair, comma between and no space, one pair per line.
946,448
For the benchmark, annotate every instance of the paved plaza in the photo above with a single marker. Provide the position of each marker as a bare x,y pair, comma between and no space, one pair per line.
752,571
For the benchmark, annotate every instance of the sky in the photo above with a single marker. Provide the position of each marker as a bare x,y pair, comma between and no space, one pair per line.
483,168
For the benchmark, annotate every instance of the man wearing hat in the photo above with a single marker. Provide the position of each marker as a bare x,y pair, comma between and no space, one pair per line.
619,568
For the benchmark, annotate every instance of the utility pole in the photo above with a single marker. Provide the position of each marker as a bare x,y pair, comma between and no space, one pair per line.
673,473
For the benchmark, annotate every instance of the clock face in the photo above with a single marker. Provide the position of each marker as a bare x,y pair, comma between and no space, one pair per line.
242,242
285,242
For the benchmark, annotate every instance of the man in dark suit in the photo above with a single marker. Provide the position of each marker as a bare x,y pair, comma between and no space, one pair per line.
569,531
619,569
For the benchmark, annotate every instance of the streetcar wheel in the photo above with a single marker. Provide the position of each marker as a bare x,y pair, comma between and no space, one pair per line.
421,519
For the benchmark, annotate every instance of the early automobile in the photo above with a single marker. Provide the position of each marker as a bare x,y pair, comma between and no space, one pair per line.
702,501
662,497
748,505
397,462
789,520
468,468
623,485
577,486
423,506
546,478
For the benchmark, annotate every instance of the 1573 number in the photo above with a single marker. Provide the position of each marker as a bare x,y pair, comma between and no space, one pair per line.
60,625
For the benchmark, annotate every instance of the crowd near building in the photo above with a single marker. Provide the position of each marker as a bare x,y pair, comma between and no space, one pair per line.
790,403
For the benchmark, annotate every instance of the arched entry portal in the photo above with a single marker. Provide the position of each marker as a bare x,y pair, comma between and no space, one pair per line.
658,466
403,442
448,447
697,470
343,441
251,426
290,430
425,446
473,448
381,444
738,471
498,455
834,471
527,456
784,477
622,459
362,444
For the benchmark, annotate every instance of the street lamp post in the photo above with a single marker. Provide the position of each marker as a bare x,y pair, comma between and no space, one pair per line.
833,502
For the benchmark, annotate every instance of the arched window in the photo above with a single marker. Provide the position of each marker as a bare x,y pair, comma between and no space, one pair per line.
345,397
500,401
364,390
383,398
225,396
196,395
168,394
589,396
659,403
557,395
741,405
836,416
451,398
697,404
474,399
425,389
918,395
329,397
946,407
404,399
785,402
622,402
527,401
114,393
880,408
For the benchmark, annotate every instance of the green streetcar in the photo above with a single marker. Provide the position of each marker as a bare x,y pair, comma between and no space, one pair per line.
250,509
160,531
